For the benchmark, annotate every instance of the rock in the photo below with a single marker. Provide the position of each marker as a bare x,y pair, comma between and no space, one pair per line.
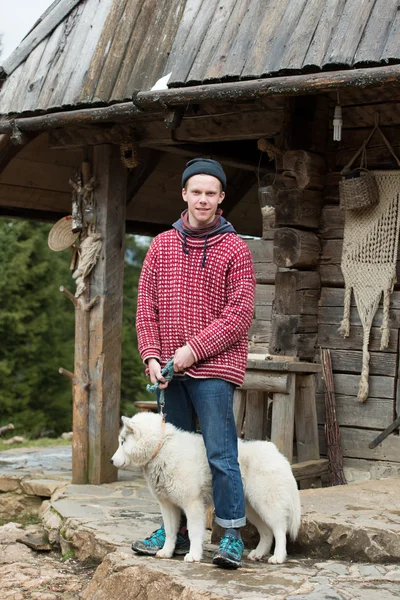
9,483
15,503
38,543
52,522
16,439
119,579
41,487
67,435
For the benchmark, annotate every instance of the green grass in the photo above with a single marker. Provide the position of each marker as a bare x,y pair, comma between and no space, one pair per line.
39,443
25,518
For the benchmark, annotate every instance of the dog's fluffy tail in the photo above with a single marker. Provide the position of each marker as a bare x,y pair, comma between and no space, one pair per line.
295,517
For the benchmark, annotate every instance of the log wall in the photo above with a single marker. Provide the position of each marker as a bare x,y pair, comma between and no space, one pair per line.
360,423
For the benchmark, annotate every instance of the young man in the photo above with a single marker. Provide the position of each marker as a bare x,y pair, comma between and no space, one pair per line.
195,303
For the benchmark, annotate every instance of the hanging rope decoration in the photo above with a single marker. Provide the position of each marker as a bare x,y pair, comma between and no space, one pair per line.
130,154
369,263
89,253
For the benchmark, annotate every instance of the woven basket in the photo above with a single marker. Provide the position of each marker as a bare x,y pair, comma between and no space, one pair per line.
358,191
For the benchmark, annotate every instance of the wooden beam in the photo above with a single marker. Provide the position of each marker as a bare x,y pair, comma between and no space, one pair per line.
42,28
155,101
43,216
212,151
148,161
105,324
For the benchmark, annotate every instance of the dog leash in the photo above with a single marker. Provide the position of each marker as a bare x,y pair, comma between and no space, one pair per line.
167,372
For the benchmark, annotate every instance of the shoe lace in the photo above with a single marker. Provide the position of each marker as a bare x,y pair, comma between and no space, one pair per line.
231,544
157,536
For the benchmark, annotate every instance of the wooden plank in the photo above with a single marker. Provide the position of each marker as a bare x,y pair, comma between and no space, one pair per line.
266,381
282,426
347,34
27,173
256,413
335,297
92,22
26,75
354,443
235,55
310,468
261,250
376,413
363,115
332,222
161,30
263,312
294,36
206,53
46,200
391,47
329,337
373,42
42,28
378,155
334,315
282,364
265,272
347,385
239,408
350,361
194,40
327,23
306,425
264,294
106,316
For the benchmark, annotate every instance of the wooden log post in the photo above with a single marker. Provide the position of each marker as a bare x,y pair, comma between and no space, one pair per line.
294,248
105,320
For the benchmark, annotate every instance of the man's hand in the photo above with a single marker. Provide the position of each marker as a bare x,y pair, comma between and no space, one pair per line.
155,373
183,359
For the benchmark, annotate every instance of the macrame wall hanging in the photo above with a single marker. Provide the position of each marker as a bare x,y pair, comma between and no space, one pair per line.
369,259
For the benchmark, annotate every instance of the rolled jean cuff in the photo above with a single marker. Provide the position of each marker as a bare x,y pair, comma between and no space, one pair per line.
227,523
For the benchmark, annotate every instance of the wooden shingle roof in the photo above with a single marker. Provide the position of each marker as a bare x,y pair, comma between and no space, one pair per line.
85,52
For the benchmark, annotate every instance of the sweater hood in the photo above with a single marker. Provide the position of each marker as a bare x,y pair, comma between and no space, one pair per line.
223,228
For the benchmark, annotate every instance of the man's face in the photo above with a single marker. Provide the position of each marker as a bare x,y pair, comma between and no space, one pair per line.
203,193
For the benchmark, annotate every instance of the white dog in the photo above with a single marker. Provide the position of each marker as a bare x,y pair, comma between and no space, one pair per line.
176,469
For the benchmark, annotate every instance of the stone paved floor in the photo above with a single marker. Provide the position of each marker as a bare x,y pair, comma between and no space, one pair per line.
100,522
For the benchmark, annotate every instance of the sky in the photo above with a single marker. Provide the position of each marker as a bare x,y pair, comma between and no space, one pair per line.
16,19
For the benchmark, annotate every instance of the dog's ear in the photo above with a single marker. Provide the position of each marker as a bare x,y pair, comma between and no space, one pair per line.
128,423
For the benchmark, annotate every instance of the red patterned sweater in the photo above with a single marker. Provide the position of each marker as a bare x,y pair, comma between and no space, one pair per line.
209,308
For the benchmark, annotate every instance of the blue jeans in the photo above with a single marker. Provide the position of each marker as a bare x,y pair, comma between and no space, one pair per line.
212,401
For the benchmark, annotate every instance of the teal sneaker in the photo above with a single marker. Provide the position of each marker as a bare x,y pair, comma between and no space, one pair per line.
229,553
152,544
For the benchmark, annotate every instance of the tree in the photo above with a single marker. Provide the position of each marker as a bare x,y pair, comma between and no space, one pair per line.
37,330
133,380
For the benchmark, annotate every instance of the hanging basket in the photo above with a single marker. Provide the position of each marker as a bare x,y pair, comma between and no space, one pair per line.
61,235
358,189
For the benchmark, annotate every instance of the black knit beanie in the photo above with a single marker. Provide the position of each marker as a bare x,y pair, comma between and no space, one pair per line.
204,166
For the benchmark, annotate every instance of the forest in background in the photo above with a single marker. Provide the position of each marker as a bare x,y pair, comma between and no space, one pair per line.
37,330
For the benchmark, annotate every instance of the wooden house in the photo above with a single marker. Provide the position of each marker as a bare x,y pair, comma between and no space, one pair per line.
132,89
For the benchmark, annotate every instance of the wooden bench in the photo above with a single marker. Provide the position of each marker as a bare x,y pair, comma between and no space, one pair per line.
290,387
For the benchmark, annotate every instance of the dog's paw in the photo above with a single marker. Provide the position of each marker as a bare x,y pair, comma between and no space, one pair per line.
191,557
164,554
276,560
254,556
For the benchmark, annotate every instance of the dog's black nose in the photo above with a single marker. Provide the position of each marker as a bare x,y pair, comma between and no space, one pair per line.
111,461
